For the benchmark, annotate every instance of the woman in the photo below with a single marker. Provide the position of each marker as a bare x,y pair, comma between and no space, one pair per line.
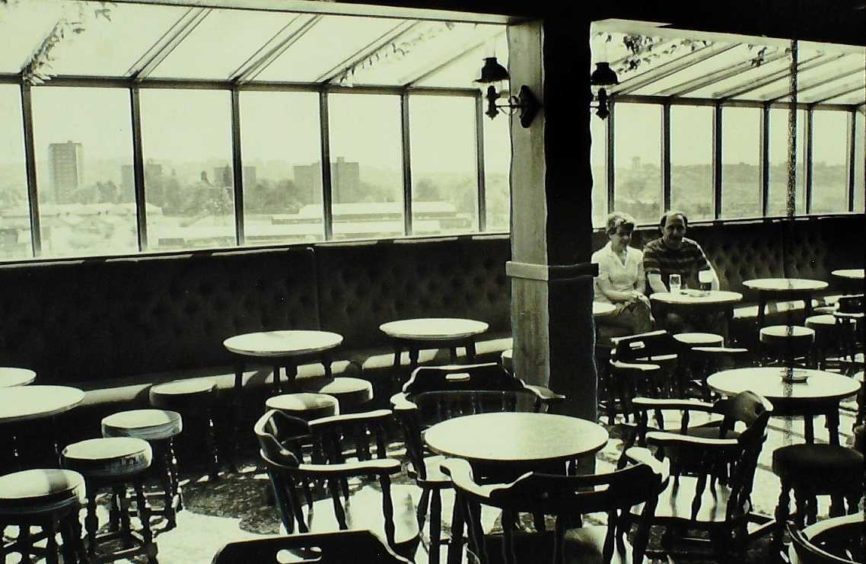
621,280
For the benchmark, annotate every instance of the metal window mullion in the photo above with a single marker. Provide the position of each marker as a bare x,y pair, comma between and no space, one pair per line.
765,160
325,138
852,157
407,164
30,170
479,163
717,161
237,166
138,168
807,134
666,155
609,158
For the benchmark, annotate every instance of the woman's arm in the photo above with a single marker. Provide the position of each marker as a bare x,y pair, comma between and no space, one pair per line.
614,295
640,283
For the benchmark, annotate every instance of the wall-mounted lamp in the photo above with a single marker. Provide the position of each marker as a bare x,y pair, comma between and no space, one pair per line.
525,101
602,76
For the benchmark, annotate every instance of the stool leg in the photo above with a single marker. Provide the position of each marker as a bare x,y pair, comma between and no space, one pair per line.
91,522
166,482
51,547
125,525
782,510
143,512
211,443
175,474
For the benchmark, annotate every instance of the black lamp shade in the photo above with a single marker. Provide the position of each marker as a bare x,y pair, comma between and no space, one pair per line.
492,71
603,75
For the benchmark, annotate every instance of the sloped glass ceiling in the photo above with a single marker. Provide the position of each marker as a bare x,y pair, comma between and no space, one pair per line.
70,38
655,61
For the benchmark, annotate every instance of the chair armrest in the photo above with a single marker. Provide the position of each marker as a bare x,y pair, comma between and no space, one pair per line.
635,366
544,393
379,467
689,405
665,439
460,473
324,423
400,402
642,455
721,350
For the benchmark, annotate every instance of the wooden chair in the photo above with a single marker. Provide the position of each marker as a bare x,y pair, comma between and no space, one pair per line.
438,393
323,548
839,535
567,499
342,451
644,364
712,476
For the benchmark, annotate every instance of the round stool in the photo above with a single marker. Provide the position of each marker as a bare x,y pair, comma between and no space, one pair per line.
305,405
158,427
195,401
787,342
830,333
700,339
351,393
507,361
115,463
50,499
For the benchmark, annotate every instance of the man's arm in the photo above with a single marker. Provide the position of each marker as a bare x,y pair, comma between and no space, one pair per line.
653,271
655,282
715,284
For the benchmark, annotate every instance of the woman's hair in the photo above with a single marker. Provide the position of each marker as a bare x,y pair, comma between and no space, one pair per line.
619,219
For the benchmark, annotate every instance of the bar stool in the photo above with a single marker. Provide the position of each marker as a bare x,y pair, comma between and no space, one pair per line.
46,498
830,333
115,464
787,343
195,401
158,427
351,393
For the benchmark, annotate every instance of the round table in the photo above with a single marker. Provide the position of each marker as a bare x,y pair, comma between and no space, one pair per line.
819,393
783,288
691,302
433,332
850,273
22,404
11,377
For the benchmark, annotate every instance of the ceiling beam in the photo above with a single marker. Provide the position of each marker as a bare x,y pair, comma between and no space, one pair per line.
697,56
802,66
717,76
275,47
167,43
444,62
824,80
343,66
843,90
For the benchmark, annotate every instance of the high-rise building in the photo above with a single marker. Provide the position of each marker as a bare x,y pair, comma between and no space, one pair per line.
222,176
66,169
345,179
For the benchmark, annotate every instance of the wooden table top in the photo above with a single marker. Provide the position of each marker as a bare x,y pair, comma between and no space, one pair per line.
11,377
768,382
22,403
519,438
784,284
282,343
850,273
697,297
600,309
433,328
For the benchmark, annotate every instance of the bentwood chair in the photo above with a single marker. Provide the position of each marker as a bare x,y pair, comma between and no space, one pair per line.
342,460
838,540
437,393
712,474
567,499
323,548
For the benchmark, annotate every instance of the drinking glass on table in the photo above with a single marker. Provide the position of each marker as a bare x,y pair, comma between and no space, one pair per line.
675,283
705,277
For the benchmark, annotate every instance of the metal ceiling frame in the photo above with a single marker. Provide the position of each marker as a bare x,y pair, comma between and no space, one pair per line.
846,89
168,42
391,35
703,81
781,74
821,81
674,66
276,46
443,63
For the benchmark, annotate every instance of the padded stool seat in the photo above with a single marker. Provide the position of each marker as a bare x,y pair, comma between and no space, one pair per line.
350,392
700,339
818,322
305,405
786,334
507,361
108,457
182,394
47,498
823,468
147,424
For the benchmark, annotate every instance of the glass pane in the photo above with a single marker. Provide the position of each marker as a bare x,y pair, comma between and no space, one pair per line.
637,161
463,70
444,171
221,43
83,142
186,140
829,161
280,137
328,43
497,173
14,208
598,156
778,149
859,162
23,27
741,170
111,43
672,84
366,166
692,161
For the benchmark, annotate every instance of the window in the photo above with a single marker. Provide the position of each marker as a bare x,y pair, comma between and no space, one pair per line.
444,173
366,165
637,161
83,144
859,162
497,172
598,160
741,171
282,167
188,181
691,161
829,161
15,241
778,172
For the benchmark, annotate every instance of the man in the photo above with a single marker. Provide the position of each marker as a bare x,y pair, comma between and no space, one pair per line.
674,253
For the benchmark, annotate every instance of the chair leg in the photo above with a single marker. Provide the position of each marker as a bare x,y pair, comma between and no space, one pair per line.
435,525
782,512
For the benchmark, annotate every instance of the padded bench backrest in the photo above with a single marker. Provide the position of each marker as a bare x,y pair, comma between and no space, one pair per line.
363,285
102,319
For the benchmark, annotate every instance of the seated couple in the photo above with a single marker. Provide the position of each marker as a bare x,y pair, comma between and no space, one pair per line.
624,272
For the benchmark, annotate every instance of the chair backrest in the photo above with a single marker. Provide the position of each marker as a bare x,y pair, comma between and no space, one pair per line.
487,376
567,499
275,431
644,346
851,304
322,548
809,553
